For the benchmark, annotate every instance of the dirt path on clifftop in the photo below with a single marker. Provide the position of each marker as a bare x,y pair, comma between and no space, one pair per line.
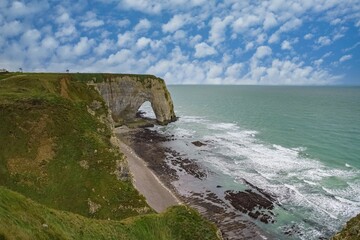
157,195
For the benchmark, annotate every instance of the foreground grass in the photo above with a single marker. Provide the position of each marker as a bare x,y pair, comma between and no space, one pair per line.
56,150
22,218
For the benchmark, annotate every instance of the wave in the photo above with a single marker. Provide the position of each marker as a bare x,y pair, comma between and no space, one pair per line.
300,183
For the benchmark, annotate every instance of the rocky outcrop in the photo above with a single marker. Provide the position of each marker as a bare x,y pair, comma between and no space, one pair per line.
125,94
351,231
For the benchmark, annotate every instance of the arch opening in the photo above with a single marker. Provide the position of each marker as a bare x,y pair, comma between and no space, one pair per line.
146,111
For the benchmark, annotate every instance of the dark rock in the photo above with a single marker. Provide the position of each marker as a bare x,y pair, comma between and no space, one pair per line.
198,143
250,203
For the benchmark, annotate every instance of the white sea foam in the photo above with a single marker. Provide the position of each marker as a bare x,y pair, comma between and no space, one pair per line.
223,126
182,132
296,180
310,182
192,119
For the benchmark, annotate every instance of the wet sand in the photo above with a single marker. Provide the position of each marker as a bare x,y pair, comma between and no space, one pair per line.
157,195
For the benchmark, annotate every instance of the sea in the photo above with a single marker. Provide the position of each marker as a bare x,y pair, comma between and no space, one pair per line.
300,144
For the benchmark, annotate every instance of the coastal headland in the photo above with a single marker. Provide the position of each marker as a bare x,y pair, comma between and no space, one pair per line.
62,174
79,162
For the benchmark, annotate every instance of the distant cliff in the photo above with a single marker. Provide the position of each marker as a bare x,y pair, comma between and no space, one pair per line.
124,94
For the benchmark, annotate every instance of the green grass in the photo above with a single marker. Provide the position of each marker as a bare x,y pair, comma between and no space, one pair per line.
56,151
22,218
351,231
33,113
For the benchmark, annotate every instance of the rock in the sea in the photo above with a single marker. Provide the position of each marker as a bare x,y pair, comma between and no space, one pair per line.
256,205
198,143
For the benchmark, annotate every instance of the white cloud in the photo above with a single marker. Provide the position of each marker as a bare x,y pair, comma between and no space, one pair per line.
249,46
195,39
175,23
83,46
336,21
243,23
218,28
288,26
196,29
142,43
90,20
19,9
66,31
157,6
49,43
308,36
318,62
214,72
103,47
123,23
11,29
345,58
357,24
204,50
153,7
286,45
262,52
30,37
92,23
289,73
324,41
143,25
270,21
125,39
63,18
234,71
261,38
179,35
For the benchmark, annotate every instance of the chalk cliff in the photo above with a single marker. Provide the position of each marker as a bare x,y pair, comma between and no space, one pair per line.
125,94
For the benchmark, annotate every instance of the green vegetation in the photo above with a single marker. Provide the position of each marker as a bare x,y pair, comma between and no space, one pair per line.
57,151
351,231
22,218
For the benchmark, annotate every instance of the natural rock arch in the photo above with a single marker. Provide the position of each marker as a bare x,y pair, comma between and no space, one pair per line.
146,111
125,94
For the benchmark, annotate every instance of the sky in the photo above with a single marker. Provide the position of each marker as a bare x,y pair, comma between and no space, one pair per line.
259,42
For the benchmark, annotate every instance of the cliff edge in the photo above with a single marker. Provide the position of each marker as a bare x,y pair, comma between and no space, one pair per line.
124,95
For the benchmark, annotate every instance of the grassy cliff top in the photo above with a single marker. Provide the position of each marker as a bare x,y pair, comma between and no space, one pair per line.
56,149
81,77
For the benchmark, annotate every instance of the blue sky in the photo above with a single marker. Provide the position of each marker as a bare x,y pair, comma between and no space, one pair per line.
276,42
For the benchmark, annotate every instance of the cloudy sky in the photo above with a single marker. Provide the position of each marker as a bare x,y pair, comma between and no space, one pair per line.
292,42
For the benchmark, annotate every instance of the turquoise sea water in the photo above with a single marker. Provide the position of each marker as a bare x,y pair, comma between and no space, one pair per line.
301,144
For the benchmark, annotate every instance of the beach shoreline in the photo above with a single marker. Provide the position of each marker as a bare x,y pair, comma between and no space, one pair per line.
157,195
179,174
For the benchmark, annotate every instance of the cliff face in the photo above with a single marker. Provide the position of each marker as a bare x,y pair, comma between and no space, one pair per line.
125,95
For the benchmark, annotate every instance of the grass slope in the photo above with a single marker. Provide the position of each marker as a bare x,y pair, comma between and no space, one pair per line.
57,153
22,218
56,150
